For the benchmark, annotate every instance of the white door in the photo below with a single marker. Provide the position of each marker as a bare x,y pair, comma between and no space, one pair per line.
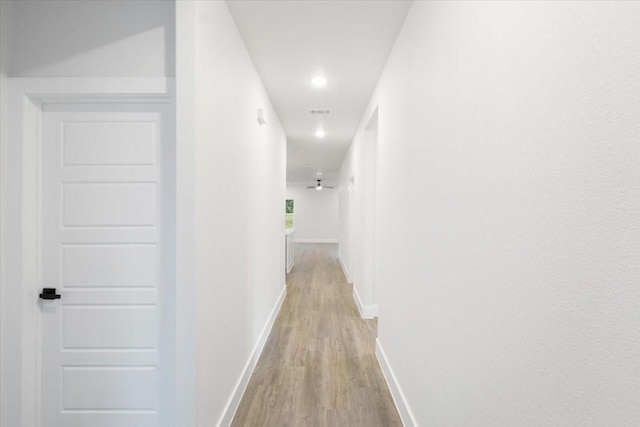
106,343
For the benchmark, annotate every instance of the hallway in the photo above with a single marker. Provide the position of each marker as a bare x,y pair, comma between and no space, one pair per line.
318,367
460,181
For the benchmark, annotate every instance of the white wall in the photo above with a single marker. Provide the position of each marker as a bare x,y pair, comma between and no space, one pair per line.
345,196
315,214
6,11
507,217
239,199
186,95
5,65
356,221
97,38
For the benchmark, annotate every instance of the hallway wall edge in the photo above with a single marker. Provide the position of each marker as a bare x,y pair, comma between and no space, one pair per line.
408,420
345,270
366,311
241,386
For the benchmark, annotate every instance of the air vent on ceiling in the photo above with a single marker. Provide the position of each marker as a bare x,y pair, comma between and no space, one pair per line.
319,111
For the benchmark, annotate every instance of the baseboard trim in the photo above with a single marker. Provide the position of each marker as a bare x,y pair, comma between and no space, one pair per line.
408,420
366,311
344,268
234,401
314,240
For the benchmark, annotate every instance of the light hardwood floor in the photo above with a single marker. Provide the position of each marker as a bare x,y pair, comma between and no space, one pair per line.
318,367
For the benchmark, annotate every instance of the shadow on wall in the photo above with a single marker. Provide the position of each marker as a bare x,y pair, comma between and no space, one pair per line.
97,38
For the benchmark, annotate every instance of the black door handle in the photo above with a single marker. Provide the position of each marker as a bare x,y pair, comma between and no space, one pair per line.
49,293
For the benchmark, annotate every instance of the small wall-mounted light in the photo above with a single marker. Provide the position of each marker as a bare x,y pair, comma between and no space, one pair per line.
261,119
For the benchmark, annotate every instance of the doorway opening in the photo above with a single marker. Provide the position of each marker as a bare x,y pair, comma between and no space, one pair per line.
368,239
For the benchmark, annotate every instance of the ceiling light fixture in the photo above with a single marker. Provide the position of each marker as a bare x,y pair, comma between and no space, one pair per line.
318,173
320,133
319,81
318,186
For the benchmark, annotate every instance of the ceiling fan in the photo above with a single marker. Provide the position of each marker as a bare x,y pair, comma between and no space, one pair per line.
318,186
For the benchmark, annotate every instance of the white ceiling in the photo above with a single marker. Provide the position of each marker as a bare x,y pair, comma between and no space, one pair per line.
346,41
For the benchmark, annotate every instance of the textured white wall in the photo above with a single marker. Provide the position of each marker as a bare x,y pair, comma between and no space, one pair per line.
10,396
354,227
240,192
345,208
316,213
509,212
97,38
6,12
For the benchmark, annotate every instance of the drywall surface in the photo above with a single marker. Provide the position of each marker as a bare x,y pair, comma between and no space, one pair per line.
6,9
186,233
316,214
97,38
508,213
345,211
10,384
355,225
6,12
240,193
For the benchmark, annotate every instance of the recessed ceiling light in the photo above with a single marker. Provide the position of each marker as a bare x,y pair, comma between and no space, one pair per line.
318,173
319,81
320,133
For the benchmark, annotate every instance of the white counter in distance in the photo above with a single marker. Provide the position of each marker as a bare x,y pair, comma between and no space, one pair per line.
288,248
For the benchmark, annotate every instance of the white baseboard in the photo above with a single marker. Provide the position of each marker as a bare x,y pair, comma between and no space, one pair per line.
314,240
344,268
408,420
234,401
366,311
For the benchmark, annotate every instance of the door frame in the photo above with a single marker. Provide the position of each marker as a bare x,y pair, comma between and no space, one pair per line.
368,211
20,341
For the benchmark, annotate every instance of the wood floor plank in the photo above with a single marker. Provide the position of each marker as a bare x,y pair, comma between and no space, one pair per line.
318,367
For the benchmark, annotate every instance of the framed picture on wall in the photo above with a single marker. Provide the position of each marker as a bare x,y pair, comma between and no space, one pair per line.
288,221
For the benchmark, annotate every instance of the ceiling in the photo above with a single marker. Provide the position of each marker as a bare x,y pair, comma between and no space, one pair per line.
292,41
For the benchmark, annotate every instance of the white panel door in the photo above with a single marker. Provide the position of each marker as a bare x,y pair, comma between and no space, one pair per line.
101,346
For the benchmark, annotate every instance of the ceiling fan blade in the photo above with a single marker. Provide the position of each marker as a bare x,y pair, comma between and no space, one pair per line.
327,187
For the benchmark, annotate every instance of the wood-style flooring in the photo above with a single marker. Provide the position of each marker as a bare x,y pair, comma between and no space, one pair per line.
318,367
